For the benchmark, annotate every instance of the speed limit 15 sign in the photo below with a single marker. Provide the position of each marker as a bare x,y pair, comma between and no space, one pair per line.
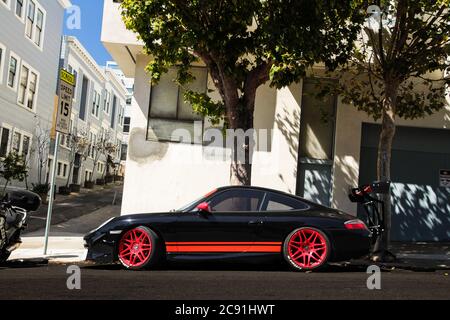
66,90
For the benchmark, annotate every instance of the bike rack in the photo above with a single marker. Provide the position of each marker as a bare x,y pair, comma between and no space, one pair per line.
373,206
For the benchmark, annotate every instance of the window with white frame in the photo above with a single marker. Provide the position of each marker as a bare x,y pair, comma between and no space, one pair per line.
27,87
30,19
19,9
96,104
107,102
62,169
92,141
126,124
20,143
35,22
15,144
26,144
2,61
5,133
88,175
100,167
13,70
120,117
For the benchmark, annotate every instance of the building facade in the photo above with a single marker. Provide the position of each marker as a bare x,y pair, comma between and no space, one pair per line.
304,155
130,105
30,43
97,115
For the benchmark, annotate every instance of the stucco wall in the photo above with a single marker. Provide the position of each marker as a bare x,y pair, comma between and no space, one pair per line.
164,176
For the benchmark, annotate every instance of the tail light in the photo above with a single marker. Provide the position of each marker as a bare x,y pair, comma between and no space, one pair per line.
355,225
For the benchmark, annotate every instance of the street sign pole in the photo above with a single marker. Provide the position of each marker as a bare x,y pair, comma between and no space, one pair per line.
61,125
52,192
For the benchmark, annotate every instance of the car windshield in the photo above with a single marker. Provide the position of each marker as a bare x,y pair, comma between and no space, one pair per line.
184,208
190,204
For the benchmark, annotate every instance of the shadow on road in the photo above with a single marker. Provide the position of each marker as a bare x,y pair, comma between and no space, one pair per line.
229,266
24,263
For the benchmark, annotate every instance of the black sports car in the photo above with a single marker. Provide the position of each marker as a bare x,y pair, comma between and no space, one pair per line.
233,222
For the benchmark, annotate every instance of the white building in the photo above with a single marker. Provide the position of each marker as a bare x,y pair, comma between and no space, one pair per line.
306,157
30,43
98,112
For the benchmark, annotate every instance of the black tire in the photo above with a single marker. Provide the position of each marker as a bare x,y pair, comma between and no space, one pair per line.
156,255
294,265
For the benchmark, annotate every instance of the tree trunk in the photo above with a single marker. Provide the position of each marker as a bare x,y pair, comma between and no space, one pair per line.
380,251
242,148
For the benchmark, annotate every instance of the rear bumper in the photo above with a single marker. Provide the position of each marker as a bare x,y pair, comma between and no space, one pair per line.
350,245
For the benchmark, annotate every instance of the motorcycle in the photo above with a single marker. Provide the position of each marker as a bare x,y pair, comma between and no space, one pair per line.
15,208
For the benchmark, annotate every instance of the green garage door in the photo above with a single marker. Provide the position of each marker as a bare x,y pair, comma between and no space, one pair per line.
421,202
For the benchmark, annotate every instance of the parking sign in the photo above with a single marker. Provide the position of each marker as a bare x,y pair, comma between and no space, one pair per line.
66,89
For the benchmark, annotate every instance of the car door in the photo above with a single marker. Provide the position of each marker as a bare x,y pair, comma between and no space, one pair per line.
281,214
230,227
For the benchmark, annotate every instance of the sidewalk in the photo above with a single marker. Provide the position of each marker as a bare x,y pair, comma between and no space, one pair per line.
416,256
66,243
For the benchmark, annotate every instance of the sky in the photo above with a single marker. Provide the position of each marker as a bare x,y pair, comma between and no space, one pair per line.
91,12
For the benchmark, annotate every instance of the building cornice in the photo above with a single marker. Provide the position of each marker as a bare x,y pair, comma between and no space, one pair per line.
116,82
85,56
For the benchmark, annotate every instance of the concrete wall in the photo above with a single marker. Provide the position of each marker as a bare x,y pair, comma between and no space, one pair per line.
348,145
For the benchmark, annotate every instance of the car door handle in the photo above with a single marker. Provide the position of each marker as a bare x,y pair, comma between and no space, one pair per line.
256,223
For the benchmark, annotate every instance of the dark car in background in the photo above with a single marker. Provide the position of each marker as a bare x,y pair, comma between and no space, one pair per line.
233,222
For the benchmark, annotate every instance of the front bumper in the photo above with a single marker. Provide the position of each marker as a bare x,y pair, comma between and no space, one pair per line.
101,248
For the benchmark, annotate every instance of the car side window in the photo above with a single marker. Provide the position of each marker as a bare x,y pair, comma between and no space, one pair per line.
239,200
278,202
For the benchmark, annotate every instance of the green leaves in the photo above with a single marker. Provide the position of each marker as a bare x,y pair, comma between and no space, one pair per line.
236,40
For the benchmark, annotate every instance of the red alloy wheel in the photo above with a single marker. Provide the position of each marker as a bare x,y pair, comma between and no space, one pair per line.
135,248
307,248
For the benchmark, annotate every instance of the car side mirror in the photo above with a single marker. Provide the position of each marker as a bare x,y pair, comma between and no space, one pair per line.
204,207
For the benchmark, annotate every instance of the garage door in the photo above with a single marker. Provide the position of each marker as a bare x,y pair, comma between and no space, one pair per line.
421,201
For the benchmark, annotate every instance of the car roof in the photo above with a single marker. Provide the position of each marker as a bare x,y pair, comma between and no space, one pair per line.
267,190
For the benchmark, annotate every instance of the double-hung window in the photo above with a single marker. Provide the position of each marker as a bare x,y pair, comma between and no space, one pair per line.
126,124
30,19
96,104
27,87
13,70
35,23
4,141
19,8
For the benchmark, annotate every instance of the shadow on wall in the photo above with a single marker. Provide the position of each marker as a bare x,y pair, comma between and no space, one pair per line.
346,169
420,212
289,125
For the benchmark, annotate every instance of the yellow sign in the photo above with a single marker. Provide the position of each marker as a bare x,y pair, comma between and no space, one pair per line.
67,77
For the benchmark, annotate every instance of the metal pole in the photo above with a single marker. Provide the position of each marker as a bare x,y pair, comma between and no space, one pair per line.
52,192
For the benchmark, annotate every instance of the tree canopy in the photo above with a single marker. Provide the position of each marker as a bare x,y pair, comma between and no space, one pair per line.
243,43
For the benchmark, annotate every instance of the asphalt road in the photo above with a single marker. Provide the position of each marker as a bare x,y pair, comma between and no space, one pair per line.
222,282
74,206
